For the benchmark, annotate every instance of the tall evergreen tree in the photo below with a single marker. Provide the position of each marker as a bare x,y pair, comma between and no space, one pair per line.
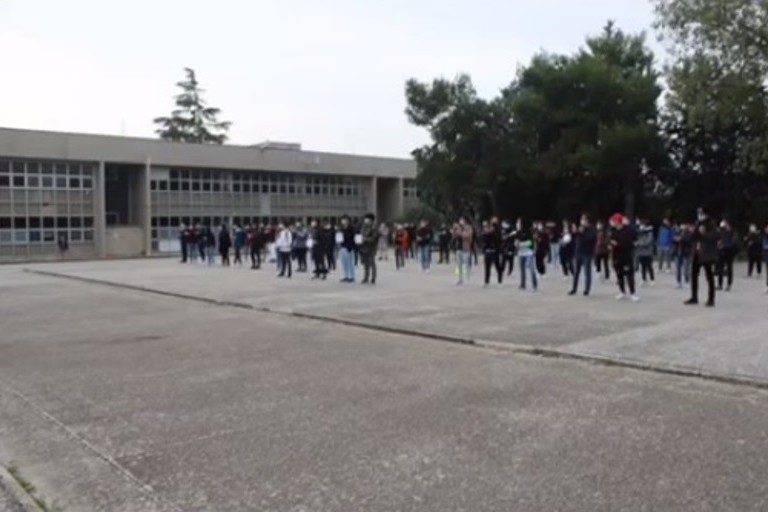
192,121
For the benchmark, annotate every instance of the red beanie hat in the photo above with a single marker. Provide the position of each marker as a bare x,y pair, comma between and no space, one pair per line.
617,218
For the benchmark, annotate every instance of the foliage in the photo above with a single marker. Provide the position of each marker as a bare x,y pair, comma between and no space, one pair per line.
192,121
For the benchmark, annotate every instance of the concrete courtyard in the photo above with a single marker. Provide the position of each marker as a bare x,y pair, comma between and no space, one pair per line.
147,385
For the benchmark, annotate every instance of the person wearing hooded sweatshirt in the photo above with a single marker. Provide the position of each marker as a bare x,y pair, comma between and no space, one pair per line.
586,241
300,239
644,251
705,242
753,242
622,250
727,248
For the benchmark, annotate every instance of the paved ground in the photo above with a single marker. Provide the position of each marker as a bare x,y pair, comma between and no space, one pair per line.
659,331
121,400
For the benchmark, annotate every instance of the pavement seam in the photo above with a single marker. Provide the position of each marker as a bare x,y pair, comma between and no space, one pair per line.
511,347
144,487
18,494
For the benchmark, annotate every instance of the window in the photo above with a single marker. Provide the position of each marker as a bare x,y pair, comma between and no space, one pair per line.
33,168
195,186
75,222
18,167
206,186
216,186
5,167
153,185
18,181
163,185
76,236
20,222
88,235
35,236
87,183
88,222
246,187
174,186
62,222
34,222
33,181
74,183
5,181
61,182
47,182
5,223
185,185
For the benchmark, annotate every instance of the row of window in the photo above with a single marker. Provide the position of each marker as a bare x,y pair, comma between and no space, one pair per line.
45,236
282,187
43,174
46,222
52,182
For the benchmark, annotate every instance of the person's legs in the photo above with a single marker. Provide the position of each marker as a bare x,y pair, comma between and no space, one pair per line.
729,268
554,254
720,270
587,275
679,271
687,269
534,277
620,278
499,268
366,268
630,278
487,260
710,274
184,251
523,270
695,283
576,274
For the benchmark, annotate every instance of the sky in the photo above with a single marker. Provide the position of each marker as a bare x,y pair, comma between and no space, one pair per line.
328,74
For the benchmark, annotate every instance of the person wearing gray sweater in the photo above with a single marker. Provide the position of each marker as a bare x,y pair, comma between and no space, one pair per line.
644,251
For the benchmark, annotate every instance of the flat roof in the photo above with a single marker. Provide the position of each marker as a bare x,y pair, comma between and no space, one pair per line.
20,143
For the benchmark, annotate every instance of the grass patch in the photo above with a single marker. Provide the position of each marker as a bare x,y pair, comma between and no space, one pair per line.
29,488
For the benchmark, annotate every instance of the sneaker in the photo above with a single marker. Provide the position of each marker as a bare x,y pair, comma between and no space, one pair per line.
691,302
621,296
586,294
635,298
710,304
572,293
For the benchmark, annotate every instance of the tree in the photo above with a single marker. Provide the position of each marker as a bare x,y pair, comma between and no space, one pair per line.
589,121
716,110
193,121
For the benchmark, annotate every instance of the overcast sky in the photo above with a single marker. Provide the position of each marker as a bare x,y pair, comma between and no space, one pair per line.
326,73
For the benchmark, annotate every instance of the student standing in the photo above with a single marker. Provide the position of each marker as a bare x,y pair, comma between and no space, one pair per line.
508,247
210,246
665,242
622,249
444,243
300,238
567,250
318,250
369,243
541,241
464,234
705,242
525,248
284,245
239,244
424,238
184,241
225,243
384,239
491,239
586,241
683,246
754,244
602,252
727,249
347,248
644,251
401,246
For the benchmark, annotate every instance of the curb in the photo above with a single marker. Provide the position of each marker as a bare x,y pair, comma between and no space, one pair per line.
544,352
23,500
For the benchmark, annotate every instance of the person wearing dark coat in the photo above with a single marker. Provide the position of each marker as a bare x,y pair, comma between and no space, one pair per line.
705,253
320,240
225,243
754,244
727,248
491,239
585,244
622,251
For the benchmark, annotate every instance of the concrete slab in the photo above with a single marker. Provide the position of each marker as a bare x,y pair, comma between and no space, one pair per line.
125,401
658,331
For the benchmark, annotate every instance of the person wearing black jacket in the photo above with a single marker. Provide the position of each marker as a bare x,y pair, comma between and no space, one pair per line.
444,241
346,250
184,240
319,240
424,238
491,239
585,244
329,242
622,248
225,243
754,243
541,239
727,248
259,238
705,241
508,248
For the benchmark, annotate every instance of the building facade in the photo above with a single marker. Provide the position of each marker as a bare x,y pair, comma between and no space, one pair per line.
110,196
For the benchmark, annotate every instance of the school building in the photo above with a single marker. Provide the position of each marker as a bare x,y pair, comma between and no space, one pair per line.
112,196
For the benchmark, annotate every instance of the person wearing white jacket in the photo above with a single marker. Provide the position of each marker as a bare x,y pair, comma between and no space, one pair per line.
284,244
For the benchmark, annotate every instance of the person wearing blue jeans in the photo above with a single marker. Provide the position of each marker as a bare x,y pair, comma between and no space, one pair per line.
525,251
424,238
585,245
665,241
347,249
683,248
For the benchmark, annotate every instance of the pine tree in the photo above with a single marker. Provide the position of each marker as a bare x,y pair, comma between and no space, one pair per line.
193,121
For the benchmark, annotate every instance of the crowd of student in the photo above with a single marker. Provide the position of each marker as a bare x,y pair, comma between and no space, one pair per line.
626,246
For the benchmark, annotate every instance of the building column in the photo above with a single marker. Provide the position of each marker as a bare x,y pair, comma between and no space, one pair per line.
373,197
400,197
146,207
100,211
